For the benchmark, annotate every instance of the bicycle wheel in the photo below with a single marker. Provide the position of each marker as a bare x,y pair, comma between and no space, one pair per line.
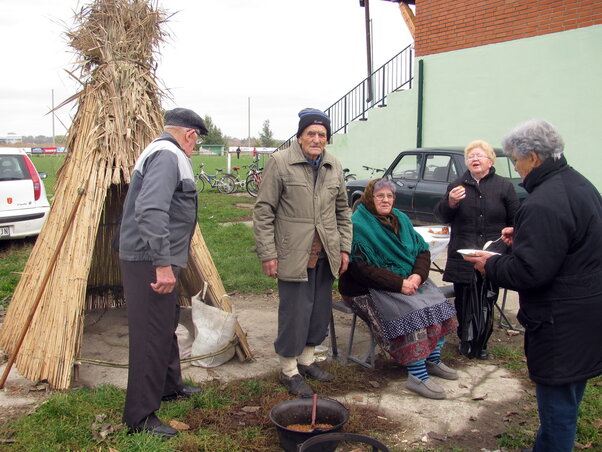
251,185
200,183
226,185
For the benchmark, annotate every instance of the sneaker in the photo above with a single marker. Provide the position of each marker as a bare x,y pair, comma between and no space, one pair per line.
427,388
314,372
441,370
296,385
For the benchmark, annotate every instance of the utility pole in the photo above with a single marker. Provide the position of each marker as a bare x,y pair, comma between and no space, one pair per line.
366,5
249,124
53,140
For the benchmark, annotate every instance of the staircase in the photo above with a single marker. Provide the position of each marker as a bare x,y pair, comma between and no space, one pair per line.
396,74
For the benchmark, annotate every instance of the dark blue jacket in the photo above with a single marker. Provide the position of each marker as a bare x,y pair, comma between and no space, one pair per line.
556,267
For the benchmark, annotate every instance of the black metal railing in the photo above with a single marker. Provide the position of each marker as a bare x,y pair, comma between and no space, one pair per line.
395,74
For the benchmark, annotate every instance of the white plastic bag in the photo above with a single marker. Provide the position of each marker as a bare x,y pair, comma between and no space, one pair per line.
184,332
214,329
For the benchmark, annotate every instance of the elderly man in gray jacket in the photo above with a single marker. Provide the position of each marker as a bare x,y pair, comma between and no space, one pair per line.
303,237
159,218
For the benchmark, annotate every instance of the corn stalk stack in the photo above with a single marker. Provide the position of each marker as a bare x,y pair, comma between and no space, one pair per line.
118,114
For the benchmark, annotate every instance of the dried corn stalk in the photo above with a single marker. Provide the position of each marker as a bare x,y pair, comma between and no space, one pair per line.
119,113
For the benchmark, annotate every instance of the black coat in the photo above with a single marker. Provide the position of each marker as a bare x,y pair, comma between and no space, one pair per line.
556,267
489,207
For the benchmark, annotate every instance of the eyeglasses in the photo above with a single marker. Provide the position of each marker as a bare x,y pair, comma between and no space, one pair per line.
383,196
198,134
476,157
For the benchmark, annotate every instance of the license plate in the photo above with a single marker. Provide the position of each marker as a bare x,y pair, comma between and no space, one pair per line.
4,231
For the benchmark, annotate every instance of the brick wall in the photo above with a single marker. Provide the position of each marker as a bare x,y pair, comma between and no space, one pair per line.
444,25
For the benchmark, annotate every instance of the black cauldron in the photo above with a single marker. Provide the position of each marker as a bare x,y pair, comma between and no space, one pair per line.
298,411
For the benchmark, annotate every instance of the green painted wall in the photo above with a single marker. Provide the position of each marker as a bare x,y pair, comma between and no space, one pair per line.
483,92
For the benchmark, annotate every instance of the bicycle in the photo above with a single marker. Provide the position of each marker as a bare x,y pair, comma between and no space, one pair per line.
373,170
224,184
253,179
236,180
348,176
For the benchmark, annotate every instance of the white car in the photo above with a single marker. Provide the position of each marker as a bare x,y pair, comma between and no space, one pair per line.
23,203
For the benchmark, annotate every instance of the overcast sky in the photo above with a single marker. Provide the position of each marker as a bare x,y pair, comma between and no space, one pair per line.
284,55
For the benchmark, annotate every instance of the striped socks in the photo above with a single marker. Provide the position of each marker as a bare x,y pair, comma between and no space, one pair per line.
435,356
418,369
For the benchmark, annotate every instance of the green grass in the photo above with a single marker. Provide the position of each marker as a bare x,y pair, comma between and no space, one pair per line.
512,359
13,256
231,246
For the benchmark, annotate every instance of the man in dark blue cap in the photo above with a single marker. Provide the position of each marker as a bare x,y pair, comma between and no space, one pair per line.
159,218
303,237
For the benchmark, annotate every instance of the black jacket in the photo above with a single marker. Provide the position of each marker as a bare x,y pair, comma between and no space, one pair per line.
556,267
489,207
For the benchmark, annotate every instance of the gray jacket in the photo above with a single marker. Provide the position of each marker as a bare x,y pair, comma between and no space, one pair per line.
160,209
290,208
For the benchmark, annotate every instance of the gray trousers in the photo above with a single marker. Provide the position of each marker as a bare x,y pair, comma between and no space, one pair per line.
154,358
304,311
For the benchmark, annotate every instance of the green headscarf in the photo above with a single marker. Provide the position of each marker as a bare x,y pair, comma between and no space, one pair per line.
393,247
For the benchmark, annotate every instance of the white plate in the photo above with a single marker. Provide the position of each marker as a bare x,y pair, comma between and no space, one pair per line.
468,252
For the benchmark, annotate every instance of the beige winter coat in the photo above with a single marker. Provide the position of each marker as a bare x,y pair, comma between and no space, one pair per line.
289,209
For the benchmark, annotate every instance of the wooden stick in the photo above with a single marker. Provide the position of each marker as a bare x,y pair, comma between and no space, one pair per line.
32,312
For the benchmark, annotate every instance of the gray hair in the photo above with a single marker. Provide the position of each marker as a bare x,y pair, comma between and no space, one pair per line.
534,135
384,183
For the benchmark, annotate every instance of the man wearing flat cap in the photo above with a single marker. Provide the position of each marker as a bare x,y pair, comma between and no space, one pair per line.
303,237
159,218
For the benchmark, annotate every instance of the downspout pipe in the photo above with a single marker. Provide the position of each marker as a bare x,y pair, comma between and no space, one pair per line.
420,102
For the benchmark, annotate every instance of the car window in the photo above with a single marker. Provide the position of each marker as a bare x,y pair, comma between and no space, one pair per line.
437,168
504,167
408,167
11,168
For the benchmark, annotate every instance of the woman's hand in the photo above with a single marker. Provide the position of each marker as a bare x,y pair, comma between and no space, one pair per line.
479,260
456,195
508,236
411,284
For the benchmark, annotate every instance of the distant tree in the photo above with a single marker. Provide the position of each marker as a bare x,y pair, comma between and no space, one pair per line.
215,135
266,136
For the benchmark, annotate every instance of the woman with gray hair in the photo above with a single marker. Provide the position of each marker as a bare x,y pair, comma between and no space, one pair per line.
386,285
556,267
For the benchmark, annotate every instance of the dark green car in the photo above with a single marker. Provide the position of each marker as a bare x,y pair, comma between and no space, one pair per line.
421,177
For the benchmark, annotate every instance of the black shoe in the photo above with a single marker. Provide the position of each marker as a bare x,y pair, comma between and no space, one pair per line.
483,355
162,430
315,372
296,385
186,392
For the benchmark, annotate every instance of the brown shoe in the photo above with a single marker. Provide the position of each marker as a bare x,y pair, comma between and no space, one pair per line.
314,372
296,385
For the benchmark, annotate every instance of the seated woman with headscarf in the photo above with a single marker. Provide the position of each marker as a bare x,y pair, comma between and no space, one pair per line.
386,285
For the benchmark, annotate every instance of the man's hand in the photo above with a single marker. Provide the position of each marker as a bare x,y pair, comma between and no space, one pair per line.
479,260
166,281
270,268
344,259
508,236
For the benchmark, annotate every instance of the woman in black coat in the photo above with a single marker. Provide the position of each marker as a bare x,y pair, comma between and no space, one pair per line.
477,205
556,267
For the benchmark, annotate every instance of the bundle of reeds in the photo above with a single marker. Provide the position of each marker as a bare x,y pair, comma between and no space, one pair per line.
72,265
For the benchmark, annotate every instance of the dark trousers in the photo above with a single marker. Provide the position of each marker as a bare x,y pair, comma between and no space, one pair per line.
154,358
304,311
558,411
